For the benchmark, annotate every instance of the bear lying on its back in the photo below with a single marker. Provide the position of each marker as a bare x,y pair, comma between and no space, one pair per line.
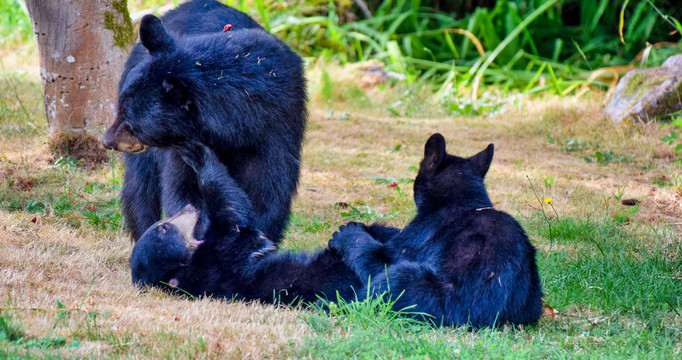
459,260
234,260
241,92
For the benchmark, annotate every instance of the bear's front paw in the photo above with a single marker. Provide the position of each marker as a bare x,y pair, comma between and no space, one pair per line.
347,237
266,247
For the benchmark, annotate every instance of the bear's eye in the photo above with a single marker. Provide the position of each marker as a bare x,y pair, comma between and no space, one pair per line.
163,228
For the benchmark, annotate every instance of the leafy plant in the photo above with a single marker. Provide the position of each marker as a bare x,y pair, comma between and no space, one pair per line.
607,157
568,145
624,215
619,193
548,181
361,213
673,139
391,180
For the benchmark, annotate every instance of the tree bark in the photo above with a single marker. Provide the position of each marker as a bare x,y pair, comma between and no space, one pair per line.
83,45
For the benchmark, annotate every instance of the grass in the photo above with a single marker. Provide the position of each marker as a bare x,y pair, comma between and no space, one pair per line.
611,271
464,60
615,281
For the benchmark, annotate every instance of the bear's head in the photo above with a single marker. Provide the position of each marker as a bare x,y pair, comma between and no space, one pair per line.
154,102
164,247
445,179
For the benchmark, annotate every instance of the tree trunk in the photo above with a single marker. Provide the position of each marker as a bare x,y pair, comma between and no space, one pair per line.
83,45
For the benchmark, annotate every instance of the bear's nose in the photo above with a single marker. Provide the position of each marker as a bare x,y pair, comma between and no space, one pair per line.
108,140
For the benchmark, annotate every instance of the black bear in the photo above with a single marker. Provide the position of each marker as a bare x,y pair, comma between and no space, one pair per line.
459,260
234,260
240,91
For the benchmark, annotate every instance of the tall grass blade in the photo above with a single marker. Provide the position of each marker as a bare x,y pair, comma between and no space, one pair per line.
507,40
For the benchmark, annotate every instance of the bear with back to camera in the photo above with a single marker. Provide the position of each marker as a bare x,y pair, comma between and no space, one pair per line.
459,260
234,260
209,73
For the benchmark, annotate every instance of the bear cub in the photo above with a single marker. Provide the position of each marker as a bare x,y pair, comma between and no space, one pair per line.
239,90
235,260
459,260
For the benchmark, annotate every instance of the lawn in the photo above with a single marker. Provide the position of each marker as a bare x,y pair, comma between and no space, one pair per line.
612,272
602,203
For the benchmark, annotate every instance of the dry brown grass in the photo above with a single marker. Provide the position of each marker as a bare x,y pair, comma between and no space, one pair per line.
45,258
45,261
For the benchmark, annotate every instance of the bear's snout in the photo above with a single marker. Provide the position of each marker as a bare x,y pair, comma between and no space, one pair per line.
119,138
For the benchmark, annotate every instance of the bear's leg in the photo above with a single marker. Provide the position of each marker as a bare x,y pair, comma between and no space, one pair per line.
382,233
225,204
359,250
290,277
270,178
179,188
141,192
419,291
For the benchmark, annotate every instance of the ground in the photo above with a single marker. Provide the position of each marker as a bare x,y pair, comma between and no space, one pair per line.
611,271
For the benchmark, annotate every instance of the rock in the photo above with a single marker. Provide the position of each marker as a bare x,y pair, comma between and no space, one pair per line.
644,94
373,73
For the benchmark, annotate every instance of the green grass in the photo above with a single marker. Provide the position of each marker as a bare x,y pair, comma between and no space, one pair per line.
546,46
612,272
616,285
618,297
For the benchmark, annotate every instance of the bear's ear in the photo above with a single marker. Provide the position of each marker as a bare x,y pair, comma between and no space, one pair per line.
434,151
482,160
176,90
153,35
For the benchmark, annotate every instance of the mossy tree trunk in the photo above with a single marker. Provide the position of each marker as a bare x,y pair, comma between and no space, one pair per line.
83,45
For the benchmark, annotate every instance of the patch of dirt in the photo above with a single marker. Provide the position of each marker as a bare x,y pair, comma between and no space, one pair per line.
81,147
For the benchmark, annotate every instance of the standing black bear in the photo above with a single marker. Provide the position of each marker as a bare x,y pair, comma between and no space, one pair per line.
234,260
459,260
240,91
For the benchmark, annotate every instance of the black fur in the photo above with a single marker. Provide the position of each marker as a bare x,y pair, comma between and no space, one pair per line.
459,260
240,92
235,260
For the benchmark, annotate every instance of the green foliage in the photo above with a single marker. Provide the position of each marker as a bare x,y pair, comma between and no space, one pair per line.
15,25
327,86
10,330
673,139
533,46
568,145
536,46
51,193
362,212
606,157
623,216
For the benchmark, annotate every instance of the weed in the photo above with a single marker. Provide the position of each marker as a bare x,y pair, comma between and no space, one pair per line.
623,216
548,181
569,145
673,139
607,157
391,180
675,182
620,192
362,212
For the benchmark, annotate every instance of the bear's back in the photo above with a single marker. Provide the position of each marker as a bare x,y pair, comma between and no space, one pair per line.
205,16
492,235
491,255
193,18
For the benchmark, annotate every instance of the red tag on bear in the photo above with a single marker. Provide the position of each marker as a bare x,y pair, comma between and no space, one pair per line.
228,27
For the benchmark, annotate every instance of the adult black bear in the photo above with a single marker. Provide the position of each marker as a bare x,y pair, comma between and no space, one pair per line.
241,92
234,260
459,260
